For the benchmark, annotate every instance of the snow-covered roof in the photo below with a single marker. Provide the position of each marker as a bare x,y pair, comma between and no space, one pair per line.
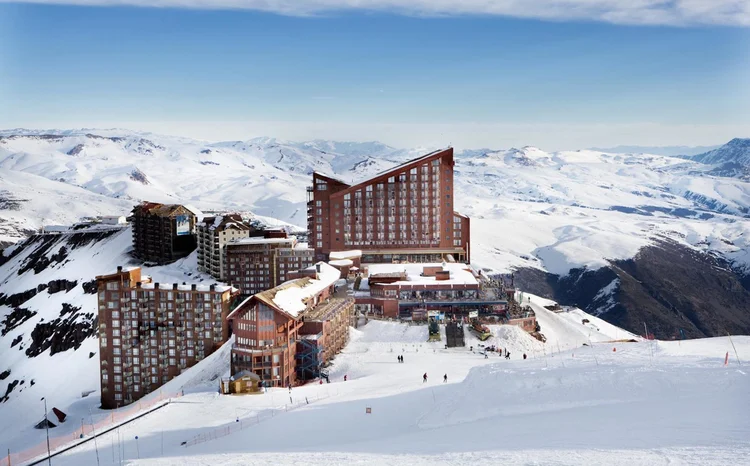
338,255
418,159
194,210
334,178
341,263
293,298
258,240
170,287
460,274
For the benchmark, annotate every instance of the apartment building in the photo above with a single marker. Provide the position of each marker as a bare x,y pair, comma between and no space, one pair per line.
213,234
287,334
163,233
150,332
255,264
405,214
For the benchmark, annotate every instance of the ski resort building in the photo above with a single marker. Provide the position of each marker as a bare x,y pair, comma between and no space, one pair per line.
286,335
410,291
255,264
404,214
213,234
150,332
163,233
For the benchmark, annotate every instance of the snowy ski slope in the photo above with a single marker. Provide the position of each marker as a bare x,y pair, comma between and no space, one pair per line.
645,403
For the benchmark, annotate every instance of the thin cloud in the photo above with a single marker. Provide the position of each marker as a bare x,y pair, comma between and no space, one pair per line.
633,12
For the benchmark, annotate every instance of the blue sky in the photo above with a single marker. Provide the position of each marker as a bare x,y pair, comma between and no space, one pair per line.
470,80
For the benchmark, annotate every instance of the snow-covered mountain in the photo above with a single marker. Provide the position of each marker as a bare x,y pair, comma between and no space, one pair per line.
731,159
547,214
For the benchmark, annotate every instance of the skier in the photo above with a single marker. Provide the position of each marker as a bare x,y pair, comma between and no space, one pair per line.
424,377
344,377
485,355
290,387
524,355
507,355
445,378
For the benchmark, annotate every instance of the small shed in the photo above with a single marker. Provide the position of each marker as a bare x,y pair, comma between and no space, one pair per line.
242,383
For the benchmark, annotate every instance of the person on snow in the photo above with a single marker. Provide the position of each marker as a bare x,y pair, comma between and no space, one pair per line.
524,355
424,377
507,355
485,355
344,377
445,378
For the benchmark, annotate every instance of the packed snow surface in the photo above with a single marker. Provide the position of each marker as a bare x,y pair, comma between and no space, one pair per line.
605,402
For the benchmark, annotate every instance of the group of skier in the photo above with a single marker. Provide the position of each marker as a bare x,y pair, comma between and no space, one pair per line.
424,378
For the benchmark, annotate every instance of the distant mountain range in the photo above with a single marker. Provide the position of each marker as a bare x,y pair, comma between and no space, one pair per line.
672,151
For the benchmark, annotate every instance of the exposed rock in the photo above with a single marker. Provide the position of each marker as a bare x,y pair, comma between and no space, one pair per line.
8,201
64,333
4,374
89,287
8,391
17,299
76,150
15,318
55,286
16,340
139,176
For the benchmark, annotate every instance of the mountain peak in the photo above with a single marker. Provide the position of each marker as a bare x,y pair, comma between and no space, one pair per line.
736,151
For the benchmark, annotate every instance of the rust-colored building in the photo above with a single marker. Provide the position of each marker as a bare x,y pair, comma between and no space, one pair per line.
410,291
150,332
402,215
163,233
258,263
286,334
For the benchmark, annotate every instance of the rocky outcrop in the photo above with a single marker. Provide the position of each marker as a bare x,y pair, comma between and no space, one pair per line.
64,333
139,176
15,318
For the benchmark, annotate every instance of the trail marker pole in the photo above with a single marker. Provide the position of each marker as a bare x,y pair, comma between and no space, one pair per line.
735,349
93,432
650,348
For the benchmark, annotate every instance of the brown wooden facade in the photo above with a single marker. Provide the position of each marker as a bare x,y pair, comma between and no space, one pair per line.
269,341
